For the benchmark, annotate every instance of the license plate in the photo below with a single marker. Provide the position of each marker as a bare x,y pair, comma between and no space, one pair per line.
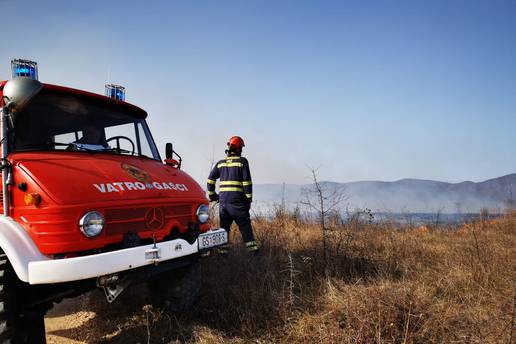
209,240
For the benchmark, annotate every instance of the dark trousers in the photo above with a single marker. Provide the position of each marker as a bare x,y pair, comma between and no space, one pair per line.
238,212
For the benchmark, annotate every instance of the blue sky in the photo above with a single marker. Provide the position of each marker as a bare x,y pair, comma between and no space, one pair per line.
378,90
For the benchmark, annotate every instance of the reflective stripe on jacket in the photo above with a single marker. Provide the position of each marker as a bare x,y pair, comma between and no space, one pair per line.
235,179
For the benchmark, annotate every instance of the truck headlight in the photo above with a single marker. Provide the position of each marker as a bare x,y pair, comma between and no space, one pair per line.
91,224
203,213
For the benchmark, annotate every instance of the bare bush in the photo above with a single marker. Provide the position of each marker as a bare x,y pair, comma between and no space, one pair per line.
325,202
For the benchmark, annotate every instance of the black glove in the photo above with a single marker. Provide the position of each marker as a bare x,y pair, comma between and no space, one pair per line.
214,197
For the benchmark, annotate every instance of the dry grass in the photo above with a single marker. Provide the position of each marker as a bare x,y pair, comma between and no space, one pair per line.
385,285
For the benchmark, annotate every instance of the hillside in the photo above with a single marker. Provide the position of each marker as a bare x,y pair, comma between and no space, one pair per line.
405,195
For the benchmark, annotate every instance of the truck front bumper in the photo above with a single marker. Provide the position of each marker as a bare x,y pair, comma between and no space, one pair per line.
79,268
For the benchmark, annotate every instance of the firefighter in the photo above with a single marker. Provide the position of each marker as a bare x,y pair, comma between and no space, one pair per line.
236,193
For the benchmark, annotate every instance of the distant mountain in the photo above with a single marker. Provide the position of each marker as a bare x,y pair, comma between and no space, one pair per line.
405,195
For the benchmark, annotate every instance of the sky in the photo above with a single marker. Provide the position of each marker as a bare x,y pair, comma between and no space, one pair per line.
361,90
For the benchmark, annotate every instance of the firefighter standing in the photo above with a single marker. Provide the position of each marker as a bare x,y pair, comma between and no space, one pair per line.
236,193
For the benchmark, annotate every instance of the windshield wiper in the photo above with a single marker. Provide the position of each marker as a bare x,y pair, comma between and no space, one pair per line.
117,150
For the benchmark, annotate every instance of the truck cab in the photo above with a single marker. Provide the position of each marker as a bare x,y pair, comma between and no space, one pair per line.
88,202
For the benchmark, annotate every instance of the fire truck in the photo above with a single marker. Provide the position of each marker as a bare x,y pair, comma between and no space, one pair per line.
89,203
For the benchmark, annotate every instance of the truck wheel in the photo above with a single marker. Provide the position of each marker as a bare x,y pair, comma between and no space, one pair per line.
17,326
177,291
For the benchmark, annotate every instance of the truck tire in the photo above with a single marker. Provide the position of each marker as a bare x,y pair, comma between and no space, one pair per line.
177,291
17,325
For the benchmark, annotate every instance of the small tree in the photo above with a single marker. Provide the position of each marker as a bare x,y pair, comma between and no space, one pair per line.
324,200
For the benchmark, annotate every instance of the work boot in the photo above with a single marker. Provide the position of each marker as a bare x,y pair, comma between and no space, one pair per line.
223,250
252,248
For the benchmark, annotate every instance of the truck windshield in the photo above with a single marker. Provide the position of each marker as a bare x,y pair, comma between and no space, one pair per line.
62,122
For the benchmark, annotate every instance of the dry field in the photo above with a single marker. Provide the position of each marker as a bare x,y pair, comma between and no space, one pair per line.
374,284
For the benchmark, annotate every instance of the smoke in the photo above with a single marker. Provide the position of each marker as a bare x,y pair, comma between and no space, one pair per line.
407,195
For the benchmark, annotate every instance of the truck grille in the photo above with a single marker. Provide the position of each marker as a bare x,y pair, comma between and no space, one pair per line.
120,221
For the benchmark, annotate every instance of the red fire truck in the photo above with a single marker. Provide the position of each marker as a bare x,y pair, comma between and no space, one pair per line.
88,203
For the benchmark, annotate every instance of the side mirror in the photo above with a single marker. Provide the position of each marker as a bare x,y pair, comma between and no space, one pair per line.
169,157
169,151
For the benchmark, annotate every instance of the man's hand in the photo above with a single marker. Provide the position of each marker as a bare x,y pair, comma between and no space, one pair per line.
214,197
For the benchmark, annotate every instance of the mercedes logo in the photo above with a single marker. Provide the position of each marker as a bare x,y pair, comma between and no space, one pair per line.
154,218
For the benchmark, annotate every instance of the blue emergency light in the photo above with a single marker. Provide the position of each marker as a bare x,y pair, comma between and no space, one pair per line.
24,69
115,91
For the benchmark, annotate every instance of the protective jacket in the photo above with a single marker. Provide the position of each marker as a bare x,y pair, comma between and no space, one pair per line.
236,195
236,185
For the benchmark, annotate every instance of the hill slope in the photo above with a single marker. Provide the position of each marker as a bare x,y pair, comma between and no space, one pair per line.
407,195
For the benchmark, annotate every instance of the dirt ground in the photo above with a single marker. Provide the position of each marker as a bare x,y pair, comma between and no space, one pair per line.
65,323
91,319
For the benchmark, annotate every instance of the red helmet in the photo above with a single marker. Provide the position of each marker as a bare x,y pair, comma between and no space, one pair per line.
236,142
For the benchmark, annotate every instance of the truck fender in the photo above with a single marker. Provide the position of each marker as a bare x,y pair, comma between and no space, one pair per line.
18,246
